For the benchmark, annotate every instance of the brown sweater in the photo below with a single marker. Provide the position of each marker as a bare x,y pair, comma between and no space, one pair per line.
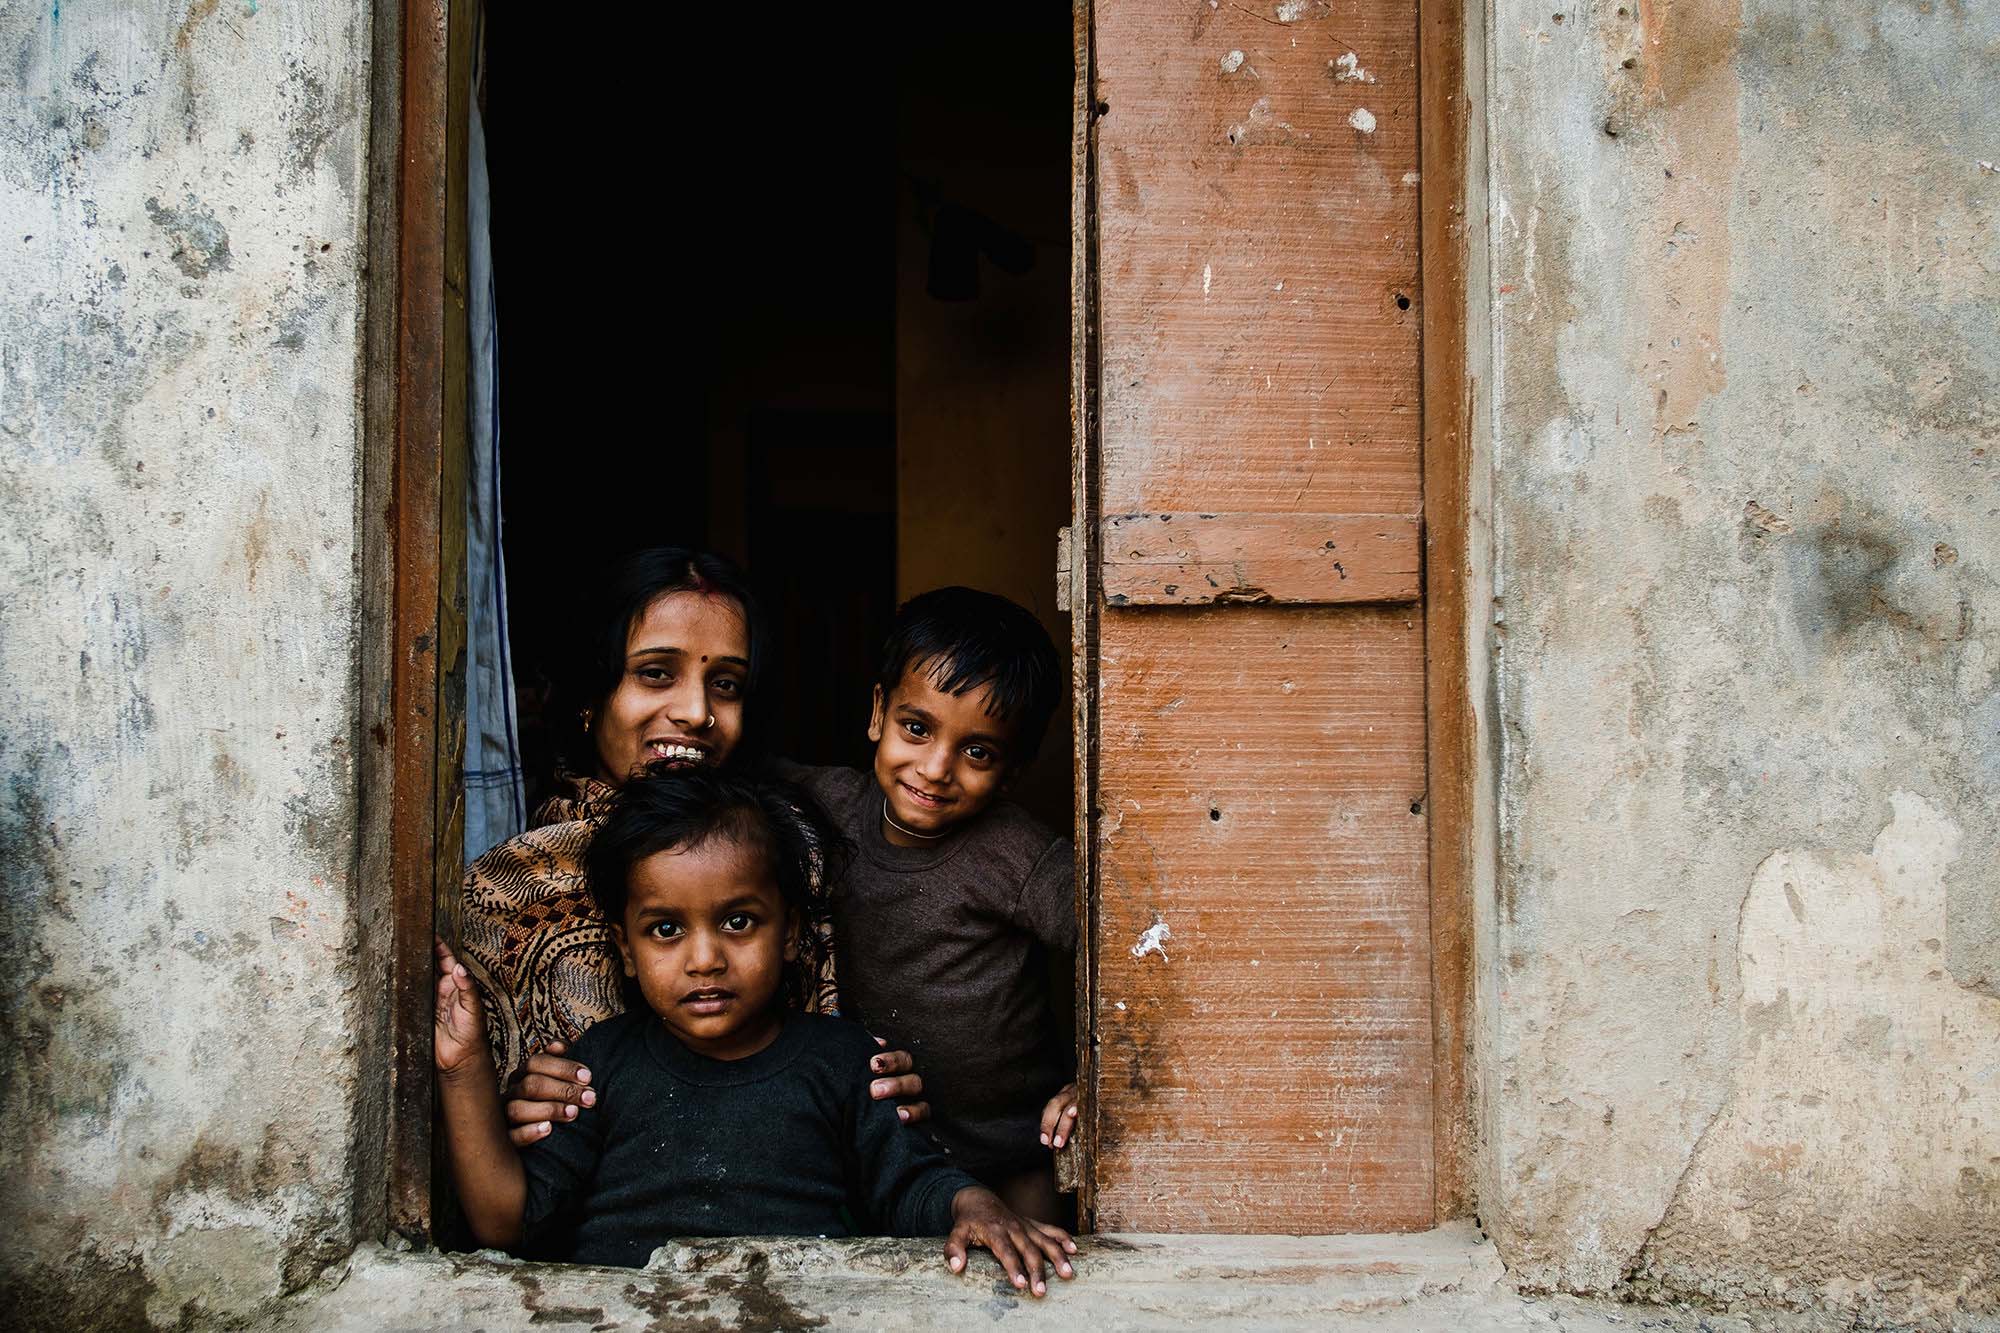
940,953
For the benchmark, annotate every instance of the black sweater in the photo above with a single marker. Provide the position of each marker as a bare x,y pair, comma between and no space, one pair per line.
938,949
772,1145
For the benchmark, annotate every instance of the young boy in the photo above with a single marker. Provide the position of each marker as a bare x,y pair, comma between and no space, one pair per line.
952,893
723,1113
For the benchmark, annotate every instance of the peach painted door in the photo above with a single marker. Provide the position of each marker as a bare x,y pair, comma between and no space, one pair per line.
1262,992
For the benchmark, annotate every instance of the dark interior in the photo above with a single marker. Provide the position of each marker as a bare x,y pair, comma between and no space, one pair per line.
698,248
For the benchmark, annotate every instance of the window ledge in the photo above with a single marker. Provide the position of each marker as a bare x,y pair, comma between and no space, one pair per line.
1450,1277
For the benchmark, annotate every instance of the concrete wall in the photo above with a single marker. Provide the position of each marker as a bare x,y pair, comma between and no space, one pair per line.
179,352
1739,1004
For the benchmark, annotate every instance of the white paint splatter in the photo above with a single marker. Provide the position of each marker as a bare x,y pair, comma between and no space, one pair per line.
1361,118
1291,11
1207,278
1232,62
1988,166
1154,941
1411,177
1348,69
1120,1006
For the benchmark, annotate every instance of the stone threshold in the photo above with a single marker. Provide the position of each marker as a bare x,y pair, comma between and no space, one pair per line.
1446,1279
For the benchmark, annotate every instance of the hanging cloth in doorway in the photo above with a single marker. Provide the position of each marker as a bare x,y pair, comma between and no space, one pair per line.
495,798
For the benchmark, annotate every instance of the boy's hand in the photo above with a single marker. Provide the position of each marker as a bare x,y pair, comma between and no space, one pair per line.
545,1089
458,1039
1059,1118
902,1087
979,1218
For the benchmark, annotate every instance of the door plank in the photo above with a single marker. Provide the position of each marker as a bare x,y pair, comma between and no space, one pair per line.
1197,559
1266,1067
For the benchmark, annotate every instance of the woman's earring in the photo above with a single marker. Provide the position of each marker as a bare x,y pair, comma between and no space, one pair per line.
585,715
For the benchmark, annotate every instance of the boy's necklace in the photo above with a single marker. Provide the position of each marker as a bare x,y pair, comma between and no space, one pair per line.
890,820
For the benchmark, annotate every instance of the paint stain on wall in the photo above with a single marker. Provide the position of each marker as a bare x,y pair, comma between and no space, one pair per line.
1865,1109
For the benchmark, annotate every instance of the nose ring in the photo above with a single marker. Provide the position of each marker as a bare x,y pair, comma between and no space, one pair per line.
711,722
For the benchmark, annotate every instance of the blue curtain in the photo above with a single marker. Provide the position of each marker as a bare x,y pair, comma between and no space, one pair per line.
495,799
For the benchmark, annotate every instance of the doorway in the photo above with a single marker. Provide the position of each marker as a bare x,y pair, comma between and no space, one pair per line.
921,428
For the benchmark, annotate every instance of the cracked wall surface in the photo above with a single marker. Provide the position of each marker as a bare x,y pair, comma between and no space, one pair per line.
179,301
1744,411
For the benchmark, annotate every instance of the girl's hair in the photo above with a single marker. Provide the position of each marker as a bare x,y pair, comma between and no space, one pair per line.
594,659
681,809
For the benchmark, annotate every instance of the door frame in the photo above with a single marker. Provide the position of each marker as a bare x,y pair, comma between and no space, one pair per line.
412,528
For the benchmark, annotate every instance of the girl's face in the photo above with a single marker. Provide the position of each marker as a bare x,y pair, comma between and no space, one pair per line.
680,698
707,936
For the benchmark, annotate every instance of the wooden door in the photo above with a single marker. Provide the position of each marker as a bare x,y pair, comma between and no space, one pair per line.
1260,997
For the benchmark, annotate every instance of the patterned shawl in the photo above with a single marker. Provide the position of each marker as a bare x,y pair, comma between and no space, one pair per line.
535,943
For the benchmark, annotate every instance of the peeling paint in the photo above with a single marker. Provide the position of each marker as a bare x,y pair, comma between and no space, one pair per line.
1154,940
1348,69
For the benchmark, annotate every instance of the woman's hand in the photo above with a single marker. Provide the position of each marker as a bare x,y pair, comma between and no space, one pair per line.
902,1084
545,1089
1059,1118
979,1218
458,1036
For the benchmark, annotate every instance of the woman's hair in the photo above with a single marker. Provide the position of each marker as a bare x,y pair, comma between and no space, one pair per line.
680,809
593,660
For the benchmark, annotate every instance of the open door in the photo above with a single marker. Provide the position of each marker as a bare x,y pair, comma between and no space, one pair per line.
1249,542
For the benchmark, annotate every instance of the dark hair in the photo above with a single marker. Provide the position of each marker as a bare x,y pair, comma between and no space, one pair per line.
594,662
961,638
668,808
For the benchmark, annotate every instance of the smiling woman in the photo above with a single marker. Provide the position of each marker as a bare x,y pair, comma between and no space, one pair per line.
669,654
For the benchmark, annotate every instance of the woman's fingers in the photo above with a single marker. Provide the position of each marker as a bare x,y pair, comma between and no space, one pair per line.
913,1113
521,1112
891,1062
552,1067
523,1135
902,1088
532,1087
954,1250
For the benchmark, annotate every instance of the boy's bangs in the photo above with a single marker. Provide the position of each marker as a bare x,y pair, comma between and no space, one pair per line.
954,675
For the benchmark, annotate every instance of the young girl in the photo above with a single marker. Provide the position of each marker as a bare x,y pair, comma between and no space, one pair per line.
726,1111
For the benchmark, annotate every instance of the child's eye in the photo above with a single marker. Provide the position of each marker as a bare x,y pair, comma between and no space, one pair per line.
664,930
979,754
738,921
916,729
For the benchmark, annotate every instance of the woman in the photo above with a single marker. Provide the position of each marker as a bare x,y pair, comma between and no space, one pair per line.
667,671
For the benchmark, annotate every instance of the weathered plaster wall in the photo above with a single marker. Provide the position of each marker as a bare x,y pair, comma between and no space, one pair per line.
182,191
1743,1006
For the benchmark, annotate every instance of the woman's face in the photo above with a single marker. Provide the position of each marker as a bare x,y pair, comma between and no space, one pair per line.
687,660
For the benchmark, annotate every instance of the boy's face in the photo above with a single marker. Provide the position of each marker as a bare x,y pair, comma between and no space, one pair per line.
707,936
940,758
